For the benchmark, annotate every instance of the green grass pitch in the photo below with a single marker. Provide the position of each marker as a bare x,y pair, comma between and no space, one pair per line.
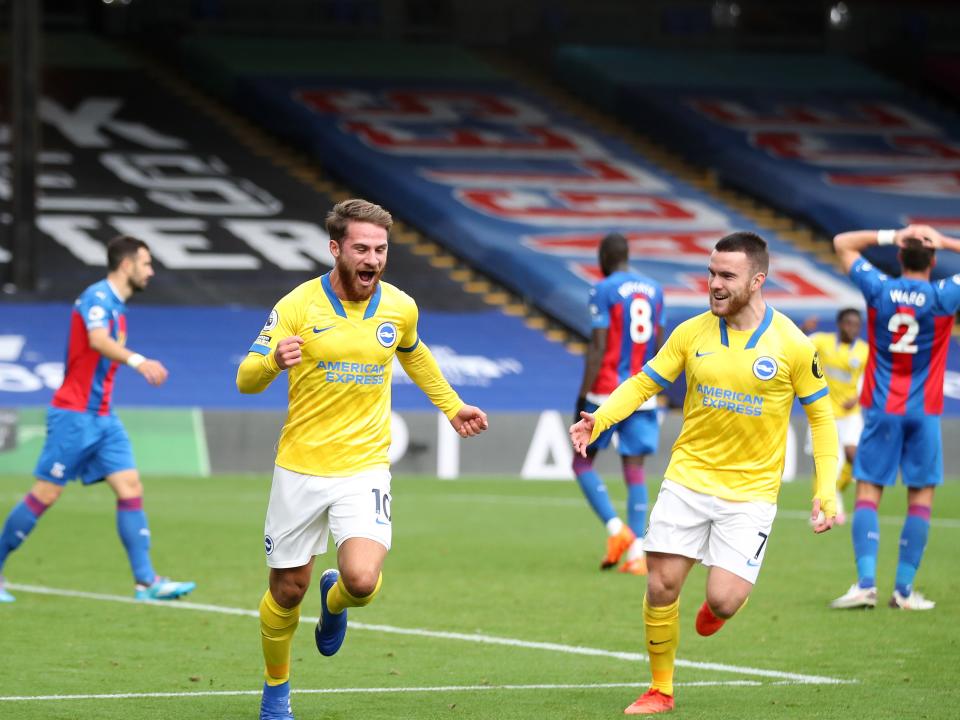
472,559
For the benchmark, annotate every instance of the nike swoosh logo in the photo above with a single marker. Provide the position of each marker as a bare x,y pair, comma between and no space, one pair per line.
381,522
753,563
699,354
659,643
320,330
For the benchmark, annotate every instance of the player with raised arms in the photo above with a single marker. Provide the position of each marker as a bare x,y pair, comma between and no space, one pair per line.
909,322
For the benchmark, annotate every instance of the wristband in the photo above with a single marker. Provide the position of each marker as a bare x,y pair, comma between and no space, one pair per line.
886,237
136,360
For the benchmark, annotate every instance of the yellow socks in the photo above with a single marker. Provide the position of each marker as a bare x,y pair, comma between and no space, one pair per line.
338,599
846,475
277,626
663,636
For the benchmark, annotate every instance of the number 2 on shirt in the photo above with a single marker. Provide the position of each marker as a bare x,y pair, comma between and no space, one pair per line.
904,328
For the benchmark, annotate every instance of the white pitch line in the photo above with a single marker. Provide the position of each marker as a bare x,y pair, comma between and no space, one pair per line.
445,635
344,691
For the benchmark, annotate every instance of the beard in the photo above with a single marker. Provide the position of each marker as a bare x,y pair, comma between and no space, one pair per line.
731,305
352,284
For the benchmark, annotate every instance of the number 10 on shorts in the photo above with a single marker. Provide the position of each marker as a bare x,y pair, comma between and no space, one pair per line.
381,506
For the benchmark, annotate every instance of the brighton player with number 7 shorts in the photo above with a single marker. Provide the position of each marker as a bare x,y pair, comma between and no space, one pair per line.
744,364
337,337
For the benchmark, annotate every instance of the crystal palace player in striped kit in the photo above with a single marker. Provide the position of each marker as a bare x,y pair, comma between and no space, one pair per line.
85,439
909,321
626,311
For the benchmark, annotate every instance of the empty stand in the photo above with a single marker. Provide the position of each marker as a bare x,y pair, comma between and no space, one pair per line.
819,137
517,186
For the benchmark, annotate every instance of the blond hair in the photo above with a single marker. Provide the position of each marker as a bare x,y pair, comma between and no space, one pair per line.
355,210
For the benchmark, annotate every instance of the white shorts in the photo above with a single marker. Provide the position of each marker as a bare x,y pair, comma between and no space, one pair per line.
849,429
304,508
730,535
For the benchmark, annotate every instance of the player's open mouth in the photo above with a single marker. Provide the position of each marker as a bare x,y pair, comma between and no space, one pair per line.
366,276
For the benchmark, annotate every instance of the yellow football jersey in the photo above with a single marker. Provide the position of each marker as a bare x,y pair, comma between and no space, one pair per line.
338,420
843,366
740,390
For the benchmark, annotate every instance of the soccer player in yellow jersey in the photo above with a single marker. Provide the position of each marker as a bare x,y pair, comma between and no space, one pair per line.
744,364
843,355
337,336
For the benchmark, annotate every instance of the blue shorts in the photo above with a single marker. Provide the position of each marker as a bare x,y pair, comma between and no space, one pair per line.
83,445
636,435
891,442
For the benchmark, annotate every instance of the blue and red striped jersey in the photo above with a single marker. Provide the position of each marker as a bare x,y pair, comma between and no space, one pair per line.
88,375
908,331
630,306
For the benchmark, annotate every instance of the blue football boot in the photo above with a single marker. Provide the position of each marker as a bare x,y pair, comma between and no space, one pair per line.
331,628
163,589
5,597
275,703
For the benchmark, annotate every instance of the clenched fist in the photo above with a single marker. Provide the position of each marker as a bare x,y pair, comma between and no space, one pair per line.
287,353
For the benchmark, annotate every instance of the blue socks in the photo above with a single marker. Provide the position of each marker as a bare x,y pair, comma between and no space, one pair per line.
131,526
636,499
866,542
593,489
20,522
913,540
135,535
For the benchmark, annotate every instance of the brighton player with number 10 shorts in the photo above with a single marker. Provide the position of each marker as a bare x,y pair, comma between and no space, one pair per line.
337,336
744,364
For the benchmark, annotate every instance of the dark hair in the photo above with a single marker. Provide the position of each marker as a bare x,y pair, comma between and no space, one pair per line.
751,244
355,210
123,246
614,251
915,256
847,311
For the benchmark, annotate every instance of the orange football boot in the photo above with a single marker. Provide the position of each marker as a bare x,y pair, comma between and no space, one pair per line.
707,622
652,701
637,566
617,545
